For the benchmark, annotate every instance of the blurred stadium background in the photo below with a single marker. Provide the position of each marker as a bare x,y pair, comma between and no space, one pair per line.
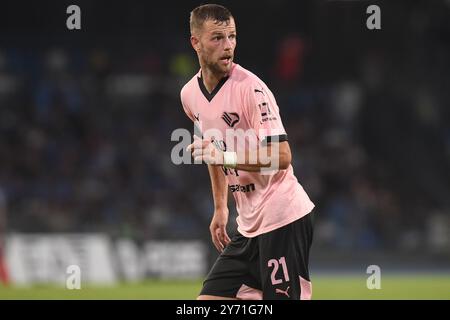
86,117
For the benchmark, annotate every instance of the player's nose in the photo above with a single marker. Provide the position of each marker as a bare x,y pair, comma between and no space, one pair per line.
228,44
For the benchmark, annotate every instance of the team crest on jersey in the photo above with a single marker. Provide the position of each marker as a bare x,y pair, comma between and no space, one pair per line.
231,118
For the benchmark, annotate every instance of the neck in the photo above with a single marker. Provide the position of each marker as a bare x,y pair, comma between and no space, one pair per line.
210,78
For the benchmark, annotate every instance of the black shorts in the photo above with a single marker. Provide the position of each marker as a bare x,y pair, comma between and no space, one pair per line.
270,266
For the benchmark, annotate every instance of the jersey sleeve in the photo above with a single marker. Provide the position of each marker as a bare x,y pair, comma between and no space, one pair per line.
197,126
263,113
184,104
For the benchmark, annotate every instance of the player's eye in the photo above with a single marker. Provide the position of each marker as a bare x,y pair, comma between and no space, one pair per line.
232,36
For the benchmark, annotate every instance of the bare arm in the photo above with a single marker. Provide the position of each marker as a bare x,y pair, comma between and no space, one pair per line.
265,157
220,219
275,155
219,187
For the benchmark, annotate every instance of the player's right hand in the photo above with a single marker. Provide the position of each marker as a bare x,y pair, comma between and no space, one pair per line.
204,151
218,229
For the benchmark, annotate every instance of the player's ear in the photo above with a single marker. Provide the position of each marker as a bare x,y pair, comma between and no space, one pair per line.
195,43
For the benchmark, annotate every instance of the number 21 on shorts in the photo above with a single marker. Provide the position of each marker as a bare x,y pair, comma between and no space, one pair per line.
276,264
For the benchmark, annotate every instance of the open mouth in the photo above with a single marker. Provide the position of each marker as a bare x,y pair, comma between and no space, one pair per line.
226,59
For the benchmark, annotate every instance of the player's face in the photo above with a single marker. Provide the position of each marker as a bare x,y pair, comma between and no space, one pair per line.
216,45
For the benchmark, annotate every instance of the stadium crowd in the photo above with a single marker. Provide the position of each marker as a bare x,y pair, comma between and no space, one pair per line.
85,139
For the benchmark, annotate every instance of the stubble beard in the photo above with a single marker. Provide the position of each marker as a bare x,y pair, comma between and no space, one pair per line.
215,68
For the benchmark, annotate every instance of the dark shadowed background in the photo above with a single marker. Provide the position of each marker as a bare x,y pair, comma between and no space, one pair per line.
86,118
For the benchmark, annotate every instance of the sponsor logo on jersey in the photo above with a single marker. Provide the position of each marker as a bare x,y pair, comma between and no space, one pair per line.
242,188
266,114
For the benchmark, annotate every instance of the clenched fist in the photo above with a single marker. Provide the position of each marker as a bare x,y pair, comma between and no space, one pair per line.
204,150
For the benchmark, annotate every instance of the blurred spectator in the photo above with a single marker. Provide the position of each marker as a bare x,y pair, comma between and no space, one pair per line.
290,59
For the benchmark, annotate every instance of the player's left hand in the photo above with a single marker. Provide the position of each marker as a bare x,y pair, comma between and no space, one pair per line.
204,150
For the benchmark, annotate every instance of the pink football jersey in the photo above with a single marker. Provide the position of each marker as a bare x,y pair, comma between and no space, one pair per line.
242,103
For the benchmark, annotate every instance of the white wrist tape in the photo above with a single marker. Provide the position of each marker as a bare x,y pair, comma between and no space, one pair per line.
229,159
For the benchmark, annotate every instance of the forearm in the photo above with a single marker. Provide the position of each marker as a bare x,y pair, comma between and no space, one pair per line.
271,156
219,187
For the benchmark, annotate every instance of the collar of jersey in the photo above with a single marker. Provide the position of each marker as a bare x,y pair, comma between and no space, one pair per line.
210,96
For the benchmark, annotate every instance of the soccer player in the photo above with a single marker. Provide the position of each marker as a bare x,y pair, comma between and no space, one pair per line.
268,257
